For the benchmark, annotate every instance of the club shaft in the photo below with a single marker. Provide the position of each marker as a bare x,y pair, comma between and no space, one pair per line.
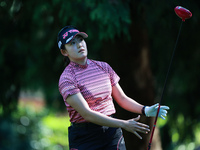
164,87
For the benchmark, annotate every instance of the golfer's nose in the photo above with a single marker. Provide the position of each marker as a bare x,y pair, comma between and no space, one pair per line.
78,43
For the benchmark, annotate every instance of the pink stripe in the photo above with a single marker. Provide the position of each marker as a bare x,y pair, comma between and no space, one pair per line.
119,142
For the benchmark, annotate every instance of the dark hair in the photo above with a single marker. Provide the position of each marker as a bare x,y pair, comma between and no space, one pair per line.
66,60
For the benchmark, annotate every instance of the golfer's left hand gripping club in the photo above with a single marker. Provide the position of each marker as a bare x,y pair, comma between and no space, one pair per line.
184,14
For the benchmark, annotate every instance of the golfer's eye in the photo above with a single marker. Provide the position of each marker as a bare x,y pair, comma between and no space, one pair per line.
80,39
73,42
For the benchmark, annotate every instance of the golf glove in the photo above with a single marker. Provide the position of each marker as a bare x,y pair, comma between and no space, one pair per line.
151,111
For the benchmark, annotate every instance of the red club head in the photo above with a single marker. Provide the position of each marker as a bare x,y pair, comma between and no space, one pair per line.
182,12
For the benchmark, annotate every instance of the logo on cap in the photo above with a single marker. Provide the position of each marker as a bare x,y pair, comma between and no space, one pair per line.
70,31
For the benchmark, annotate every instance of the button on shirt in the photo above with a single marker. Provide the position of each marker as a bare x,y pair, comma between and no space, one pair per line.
94,81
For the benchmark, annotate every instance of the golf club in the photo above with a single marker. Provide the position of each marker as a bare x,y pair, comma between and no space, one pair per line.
183,13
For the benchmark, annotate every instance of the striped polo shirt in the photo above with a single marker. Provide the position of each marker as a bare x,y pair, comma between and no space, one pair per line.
94,81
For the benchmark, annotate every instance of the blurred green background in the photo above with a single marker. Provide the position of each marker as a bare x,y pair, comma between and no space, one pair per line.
136,37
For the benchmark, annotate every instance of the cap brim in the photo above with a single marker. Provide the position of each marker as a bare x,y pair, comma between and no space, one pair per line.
83,34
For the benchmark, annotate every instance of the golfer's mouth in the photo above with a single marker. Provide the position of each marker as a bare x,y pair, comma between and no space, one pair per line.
81,50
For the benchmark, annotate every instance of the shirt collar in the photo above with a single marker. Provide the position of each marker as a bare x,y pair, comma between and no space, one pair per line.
80,66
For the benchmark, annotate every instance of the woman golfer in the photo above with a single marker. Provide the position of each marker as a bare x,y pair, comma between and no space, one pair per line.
88,88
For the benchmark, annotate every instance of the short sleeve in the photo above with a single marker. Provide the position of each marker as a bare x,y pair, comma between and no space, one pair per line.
114,78
67,86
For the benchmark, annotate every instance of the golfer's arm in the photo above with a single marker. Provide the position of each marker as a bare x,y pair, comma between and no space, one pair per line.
124,101
80,105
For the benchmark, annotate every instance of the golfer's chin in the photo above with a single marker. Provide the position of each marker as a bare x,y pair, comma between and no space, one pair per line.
83,55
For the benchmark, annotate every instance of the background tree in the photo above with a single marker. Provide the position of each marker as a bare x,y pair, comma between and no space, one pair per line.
135,37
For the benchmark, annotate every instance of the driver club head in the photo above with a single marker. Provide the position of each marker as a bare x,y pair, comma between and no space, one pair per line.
182,12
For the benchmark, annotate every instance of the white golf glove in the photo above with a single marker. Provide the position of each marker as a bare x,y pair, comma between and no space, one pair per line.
151,111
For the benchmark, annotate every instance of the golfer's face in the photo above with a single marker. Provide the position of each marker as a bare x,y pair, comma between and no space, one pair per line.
76,49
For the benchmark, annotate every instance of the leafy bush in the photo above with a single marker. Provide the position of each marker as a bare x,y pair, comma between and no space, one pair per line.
30,129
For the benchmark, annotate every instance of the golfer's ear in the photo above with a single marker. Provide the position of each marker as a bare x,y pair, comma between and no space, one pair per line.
64,52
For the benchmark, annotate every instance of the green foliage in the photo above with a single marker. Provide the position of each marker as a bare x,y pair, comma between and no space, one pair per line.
179,137
59,127
110,25
35,130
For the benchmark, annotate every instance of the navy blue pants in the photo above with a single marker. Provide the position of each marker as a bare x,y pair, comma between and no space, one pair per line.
94,137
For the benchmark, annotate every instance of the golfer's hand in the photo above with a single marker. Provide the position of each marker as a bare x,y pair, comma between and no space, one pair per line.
151,111
133,126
